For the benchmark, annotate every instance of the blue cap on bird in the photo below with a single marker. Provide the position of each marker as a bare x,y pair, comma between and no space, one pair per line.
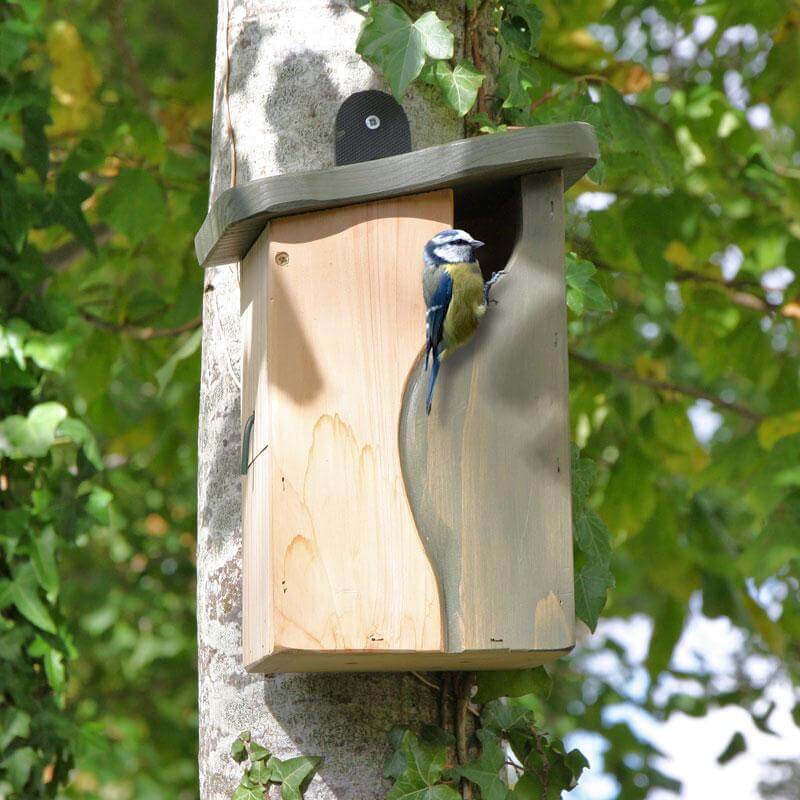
452,246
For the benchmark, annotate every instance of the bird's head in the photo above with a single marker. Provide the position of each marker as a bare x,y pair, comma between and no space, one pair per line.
451,247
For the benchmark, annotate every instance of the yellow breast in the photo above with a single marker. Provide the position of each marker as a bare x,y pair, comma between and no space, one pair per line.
467,305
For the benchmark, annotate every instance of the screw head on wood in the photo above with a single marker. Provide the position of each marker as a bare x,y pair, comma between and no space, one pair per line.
282,259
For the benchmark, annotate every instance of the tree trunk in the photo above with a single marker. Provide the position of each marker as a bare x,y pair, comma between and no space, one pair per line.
283,67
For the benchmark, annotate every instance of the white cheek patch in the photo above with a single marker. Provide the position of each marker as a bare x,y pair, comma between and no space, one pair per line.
453,253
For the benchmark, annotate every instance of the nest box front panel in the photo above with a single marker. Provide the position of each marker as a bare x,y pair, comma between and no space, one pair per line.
339,294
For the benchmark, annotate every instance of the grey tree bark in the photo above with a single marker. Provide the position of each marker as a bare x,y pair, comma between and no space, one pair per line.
283,67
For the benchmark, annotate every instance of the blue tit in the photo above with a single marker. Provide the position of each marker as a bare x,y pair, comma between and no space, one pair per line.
455,296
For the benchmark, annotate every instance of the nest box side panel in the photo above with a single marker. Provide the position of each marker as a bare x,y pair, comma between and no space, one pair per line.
344,319
487,472
257,612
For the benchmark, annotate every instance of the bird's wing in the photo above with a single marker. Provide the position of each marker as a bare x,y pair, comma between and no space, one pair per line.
437,310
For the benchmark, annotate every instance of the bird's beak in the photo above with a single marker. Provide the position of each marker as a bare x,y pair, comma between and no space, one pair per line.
476,243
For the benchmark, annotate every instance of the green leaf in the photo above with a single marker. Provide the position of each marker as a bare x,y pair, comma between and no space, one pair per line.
260,773
513,683
134,205
736,746
583,473
257,752
51,351
591,585
484,770
293,774
238,751
460,85
31,436
25,593
398,46
43,558
15,723
517,84
531,14
79,433
593,537
244,792
772,429
425,758
17,767
185,350
504,718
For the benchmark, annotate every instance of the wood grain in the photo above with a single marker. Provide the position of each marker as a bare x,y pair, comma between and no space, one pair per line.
332,317
487,472
238,216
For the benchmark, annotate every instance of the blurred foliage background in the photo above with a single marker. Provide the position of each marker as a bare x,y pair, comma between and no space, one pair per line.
685,395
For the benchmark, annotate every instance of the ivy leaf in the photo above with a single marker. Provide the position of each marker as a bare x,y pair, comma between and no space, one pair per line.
517,83
504,718
425,758
257,752
244,792
532,16
593,537
484,770
134,205
260,773
736,746
398,46
238,751
25,593
583,474
460,85
513,683
591,584
293,774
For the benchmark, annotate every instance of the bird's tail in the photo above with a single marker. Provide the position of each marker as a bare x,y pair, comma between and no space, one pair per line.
432,383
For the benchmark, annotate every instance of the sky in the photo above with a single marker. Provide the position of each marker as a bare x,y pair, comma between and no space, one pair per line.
691,745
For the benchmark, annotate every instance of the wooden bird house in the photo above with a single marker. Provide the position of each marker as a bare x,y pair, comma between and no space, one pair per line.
377,537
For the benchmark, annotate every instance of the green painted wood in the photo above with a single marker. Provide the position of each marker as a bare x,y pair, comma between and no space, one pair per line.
487,473
238,216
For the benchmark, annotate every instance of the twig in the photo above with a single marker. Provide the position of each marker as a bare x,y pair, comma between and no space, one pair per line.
462,709
472,35
445,720
136,332
665,386
422,679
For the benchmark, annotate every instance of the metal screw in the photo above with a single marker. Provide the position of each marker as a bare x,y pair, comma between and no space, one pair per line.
372,122
281,259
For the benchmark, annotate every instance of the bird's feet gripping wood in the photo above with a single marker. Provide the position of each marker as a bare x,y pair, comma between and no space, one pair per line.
487,287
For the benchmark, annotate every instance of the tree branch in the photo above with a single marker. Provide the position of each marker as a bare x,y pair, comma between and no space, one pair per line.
665,386
136,332
732,288
472,35
64,256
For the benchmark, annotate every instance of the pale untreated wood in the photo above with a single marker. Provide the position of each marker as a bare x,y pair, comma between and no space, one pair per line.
487,472
238,216
333,317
